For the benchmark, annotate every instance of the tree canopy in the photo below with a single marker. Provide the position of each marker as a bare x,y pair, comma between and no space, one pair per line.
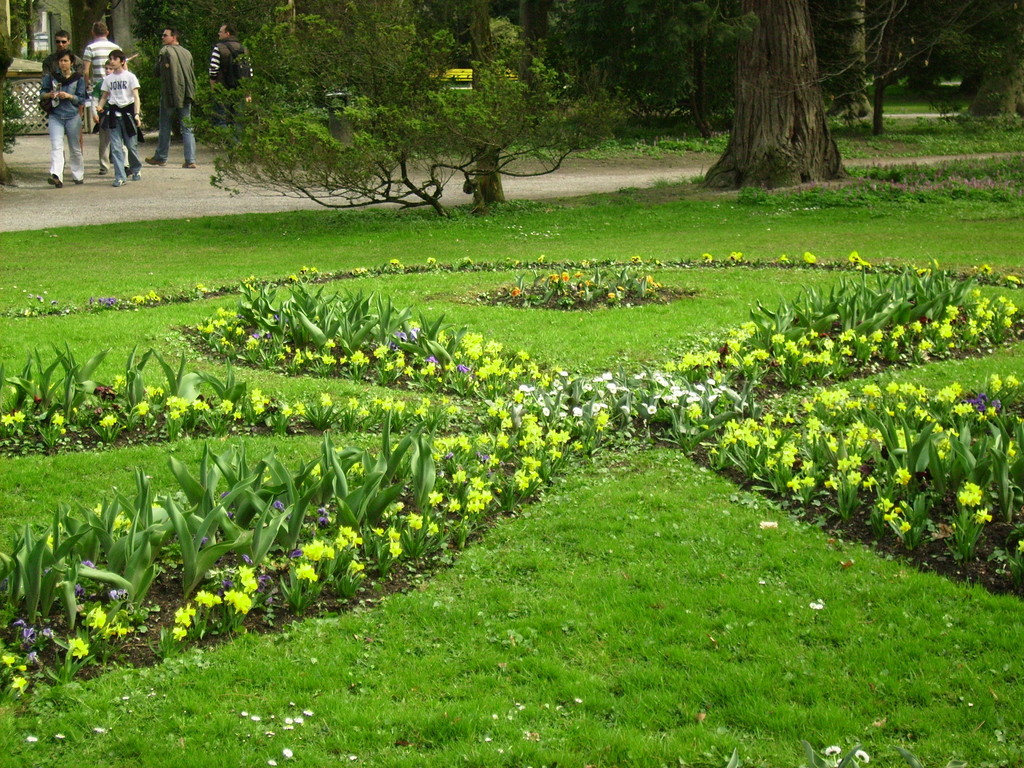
353,108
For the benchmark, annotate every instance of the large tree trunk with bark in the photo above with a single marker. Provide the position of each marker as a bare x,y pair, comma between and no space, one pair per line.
852,103
534,21
1001,91
85,13
780,134
6,59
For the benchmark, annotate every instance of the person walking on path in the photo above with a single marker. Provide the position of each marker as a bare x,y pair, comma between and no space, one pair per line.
62,40
95,57
223,71
177,92
66,93
122,117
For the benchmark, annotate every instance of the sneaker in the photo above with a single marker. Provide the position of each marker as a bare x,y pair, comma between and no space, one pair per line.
118,183
136,176
154,161
188,165
103,172
79,181
55,180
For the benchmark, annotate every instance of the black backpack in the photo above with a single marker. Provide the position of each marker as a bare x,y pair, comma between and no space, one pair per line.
237,67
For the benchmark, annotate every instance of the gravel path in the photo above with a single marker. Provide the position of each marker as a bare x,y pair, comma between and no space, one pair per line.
173,192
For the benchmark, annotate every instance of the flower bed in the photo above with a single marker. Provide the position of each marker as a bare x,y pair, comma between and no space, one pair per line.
239,544
578,290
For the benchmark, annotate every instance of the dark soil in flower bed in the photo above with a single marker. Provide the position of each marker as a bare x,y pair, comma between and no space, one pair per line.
932,554
140,648
505,298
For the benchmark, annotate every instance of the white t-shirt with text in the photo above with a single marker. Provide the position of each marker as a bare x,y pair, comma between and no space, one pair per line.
121,87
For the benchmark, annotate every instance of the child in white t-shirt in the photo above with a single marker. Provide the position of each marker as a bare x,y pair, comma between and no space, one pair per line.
122,117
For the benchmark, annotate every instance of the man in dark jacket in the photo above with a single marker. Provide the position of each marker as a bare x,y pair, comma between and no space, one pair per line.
62,40
177,92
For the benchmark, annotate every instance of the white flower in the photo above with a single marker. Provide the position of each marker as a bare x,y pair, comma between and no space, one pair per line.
817,606
271,762
833,750
31,739
861,755
307,712
287,753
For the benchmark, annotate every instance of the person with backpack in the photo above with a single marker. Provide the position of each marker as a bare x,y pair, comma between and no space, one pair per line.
229,65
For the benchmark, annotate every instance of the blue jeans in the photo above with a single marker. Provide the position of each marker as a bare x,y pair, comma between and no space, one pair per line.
163,145
118,143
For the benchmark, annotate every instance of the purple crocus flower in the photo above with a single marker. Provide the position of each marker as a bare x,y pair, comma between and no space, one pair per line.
295,553
463,369
246,559
278,505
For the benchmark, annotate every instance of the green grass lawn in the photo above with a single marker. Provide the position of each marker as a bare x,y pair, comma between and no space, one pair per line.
637,615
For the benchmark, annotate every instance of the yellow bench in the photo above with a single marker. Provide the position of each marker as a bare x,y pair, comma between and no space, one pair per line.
463,78
459,78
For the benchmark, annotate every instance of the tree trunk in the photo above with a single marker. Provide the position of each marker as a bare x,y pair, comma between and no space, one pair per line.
878,107
6,59
84,13
780,135
1001,91
534,22
852,103
487,187
698,101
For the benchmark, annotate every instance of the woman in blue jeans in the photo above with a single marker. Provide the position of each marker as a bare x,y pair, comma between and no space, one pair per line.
66,92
